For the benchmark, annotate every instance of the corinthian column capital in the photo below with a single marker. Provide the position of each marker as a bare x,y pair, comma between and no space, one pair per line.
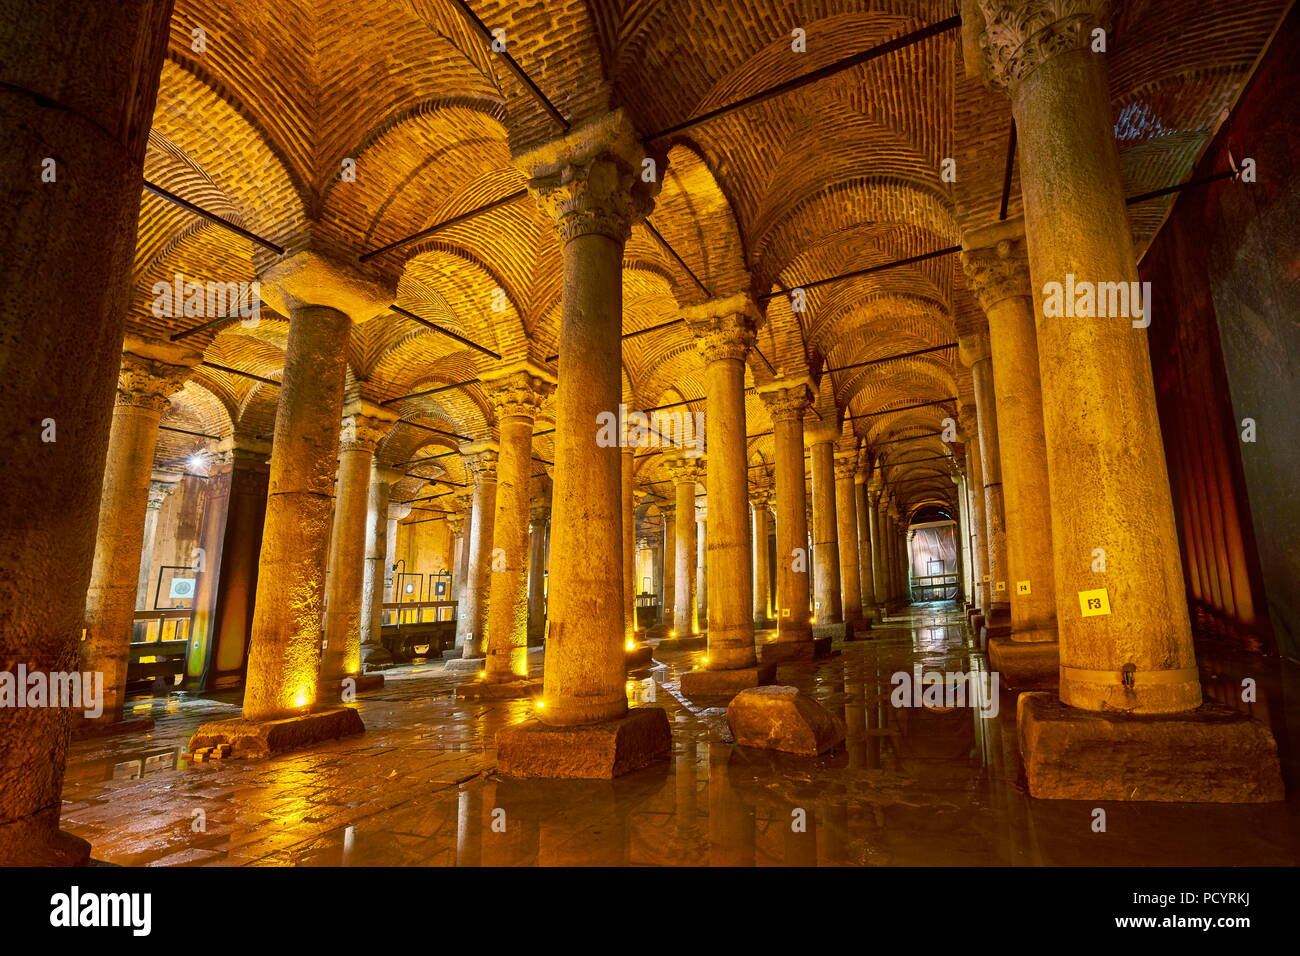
685,470
593,179
1019,36
787,401
724,328
480,460
520,392
152,372
996,263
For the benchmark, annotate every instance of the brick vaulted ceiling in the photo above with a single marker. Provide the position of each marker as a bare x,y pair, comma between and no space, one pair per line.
830,178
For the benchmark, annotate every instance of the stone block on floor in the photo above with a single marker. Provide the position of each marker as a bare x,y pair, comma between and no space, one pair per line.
255,739
500,690
726,683
782,718
599,751
465,665
639,656
1210,755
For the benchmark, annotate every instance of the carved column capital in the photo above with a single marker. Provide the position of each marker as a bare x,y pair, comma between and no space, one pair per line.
724,328
159,489
685,470
998,271
481,461
519,393
538,516
147,382
787,402
1019,36
846,465
591,179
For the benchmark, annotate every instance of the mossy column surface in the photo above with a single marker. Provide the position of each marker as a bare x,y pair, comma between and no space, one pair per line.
1121,605
596,185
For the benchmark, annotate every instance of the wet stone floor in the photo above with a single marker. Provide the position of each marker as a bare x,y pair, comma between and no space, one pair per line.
916,786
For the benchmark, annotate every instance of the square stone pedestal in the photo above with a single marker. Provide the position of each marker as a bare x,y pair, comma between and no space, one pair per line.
784,652
333,689
1210,755
720,683
1025,666
255,739
589,752
500,690
465,665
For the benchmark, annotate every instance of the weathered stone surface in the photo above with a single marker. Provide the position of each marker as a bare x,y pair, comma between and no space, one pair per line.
1209,755
464,665
840,631
500,690
708,683
1024,665
778,717
599,751
255,739
639,656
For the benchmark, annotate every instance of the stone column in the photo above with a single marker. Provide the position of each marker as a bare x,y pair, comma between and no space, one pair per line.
1125,638
975,354
979,526
471,621
826,565
846,519
669,512
227,574
79,85
378,574
1104,453
461,525
685,473
758,503
866,571
365,425
879,571
702,562
516,398
627,489
151,373
997,266
596,182
160,488
285,651
724,332
538,518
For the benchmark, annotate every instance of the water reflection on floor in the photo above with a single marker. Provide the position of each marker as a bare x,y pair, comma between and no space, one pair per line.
910,786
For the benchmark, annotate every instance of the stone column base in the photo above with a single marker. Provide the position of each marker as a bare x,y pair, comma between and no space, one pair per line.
1209,755
836,632
255,739
600,751
464,665
728,683
375,657
37,841
90,729
639,656
781,652
1025,666
500,690
333,688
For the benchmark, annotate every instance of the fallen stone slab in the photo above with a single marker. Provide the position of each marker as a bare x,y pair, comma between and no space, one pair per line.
599,751
256,739
779,717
